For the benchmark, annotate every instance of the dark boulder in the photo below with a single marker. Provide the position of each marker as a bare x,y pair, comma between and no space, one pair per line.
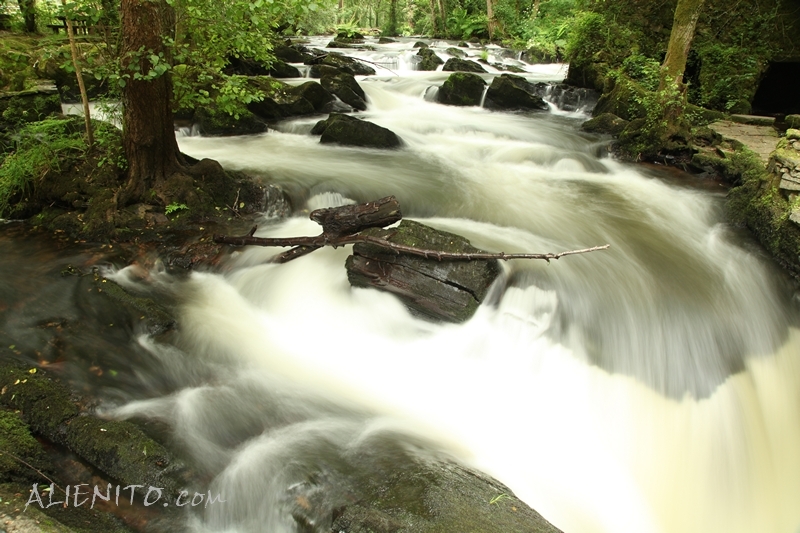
214,122
462,88
464,65
351,131
606,123
442,290
28,106
282,101
342,62
420,44
245,66
292,53
386,40
344,86
281,69
429,60
508,91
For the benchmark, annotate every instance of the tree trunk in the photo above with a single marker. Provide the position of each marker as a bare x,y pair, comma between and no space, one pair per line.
28,10
680,40
491,23
148,133
434,19
443,14
392,27
78,74
535,11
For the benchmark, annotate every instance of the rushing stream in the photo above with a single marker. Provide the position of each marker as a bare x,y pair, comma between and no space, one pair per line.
652,387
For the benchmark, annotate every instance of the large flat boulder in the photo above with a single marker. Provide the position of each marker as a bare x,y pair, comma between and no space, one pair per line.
455,64
442,290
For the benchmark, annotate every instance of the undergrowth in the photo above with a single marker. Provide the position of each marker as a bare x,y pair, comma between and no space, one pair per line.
40,148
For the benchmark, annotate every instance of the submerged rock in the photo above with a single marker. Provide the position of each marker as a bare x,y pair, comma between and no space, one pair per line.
508,91
442,290
429,61
351,131
463,89
464,65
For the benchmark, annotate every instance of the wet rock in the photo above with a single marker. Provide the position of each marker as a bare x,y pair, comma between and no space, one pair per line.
508,91
245,66
351,131
455,52
281,69
607,123
342,62
15,438
442,290
624,99
292,53
431,496
286,100
569,98
429,59
462,89
464,65
119,449
386,40
420,44
343,85
213,122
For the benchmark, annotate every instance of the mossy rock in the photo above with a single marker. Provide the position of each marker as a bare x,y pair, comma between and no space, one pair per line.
282,101
442,290
25,107
455,52
607,123
20,454
462,89
117,448
351,131
455,64
429,60
213,122
792,121
540,55
342,62
509,91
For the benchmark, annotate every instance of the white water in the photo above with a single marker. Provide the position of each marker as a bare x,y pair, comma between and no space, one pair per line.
654,387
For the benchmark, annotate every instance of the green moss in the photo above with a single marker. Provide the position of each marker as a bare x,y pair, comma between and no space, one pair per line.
17,445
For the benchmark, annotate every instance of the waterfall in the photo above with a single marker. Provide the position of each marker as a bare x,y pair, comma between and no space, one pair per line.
653,387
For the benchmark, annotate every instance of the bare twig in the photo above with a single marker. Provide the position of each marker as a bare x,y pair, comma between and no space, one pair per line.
18,459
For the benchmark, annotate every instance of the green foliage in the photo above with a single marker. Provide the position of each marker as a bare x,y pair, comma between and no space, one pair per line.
727,78
173,207
462,25
41,147
644,70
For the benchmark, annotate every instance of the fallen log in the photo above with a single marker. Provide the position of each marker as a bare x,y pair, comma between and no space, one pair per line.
344,225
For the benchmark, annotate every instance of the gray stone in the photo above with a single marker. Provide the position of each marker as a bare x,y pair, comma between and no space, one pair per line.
790,183
795,216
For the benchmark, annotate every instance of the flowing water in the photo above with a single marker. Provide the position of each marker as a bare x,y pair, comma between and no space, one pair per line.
652,387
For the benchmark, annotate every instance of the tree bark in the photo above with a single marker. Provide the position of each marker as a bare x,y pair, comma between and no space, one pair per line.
392,18
680,41
148,133
87,119
491,22
434,19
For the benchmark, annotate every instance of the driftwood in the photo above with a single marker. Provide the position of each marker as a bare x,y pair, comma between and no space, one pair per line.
343,225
